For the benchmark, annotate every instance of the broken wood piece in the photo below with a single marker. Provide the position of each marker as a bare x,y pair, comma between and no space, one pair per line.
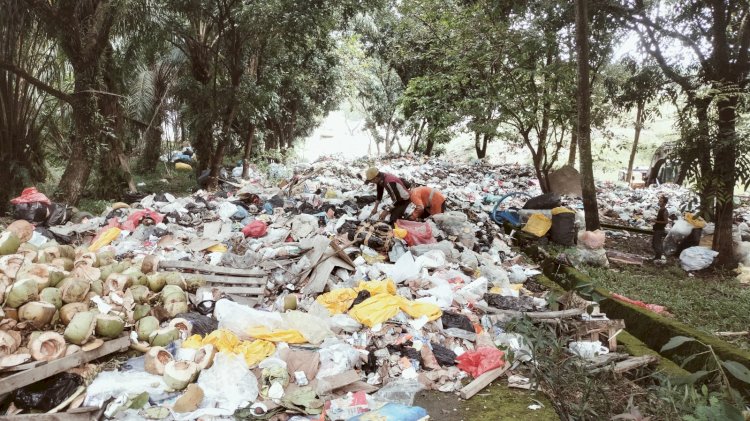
201,267
25,378
605,359
220,279
732,334
624,258
482,381
562,314
330,383
630,364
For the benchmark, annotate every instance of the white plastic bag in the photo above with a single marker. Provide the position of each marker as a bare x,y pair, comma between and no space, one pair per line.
336,357
228,384
404,268
681,229
313,328
697,258
473,291
345,323
239,318
109,384
226,210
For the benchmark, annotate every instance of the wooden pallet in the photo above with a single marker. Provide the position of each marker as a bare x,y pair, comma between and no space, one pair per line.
249,283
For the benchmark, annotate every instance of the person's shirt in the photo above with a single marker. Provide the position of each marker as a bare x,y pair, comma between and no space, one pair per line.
661,216
395,186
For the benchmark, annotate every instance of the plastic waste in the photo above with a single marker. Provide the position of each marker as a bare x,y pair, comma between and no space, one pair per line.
400,391
416,232
226,210
456,320
697,258
345,323
255,229
228,383
239,318
591,257
537,225
34,212
544,201
592,240
393,412
480,360
30,195
48,393
313,328
444,356
181,166
279,335
105,239
681,229
336,357
109,384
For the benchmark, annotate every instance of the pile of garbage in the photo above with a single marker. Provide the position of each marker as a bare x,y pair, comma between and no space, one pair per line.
279,296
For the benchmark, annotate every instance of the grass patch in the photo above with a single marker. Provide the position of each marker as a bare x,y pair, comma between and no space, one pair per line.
710,302
166,180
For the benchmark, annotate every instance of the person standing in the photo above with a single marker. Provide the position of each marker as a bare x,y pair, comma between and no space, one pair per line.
660,226
428,201
397,189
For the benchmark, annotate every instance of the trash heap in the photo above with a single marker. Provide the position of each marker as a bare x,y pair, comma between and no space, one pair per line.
266,297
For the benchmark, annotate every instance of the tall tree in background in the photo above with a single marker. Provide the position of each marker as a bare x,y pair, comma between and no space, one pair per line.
584,116
714,76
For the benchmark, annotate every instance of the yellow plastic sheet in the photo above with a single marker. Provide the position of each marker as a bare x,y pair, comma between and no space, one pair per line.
400,232
417,309
338,300
696,222
218,248
288,336
385,286
376,309
107,237
538,225
225,341
255,351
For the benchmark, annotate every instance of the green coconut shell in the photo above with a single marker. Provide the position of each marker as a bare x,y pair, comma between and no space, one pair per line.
97,287
163,337
140,293
104,258
68,311
175,308
21,292
81,328
109,326
74,290
156,282
141,311
52,296
38,313
9,243
145,326
55,277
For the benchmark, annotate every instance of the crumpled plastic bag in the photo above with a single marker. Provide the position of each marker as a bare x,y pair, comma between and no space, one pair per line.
697,258
48,393
399,391
228,383
681,229
226,341
381,307
280,335
336,357
239,318
593,240
337,301
416,232
109,384
481,360
313,328
255,229
30,195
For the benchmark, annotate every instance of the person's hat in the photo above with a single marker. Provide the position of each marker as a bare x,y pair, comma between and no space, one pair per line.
371,173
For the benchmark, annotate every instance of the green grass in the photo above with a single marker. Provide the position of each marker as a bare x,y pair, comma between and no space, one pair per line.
712,303
166,180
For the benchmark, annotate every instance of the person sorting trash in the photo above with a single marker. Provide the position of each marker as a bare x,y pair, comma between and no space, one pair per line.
660,225
397,188
428,201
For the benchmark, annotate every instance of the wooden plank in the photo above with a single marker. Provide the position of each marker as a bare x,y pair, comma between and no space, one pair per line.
25,378
241,290
630,364
562,314
221,270
79,414
217,279
482,381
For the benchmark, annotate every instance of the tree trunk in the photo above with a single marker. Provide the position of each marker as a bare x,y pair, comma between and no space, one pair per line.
726,156
638,127
203,145
248,148
584,117
430,144
702,145
573,146
152,150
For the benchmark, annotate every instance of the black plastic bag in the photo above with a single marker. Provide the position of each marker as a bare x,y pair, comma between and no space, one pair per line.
202,325
544,201
59,214
406,350
361,296
563,229
34,212
444,356
48,393
459,321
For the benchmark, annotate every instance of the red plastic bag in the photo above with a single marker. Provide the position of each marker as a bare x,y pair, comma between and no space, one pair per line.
417,232
136,218
255,229
30,195
480,361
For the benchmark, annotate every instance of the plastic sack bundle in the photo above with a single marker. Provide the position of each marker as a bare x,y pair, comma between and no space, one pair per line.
393,412
313,328
697,258
481,360
416,232
228,383
592,240
381,307
255,229
537,225
399,391
30,195
239,318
